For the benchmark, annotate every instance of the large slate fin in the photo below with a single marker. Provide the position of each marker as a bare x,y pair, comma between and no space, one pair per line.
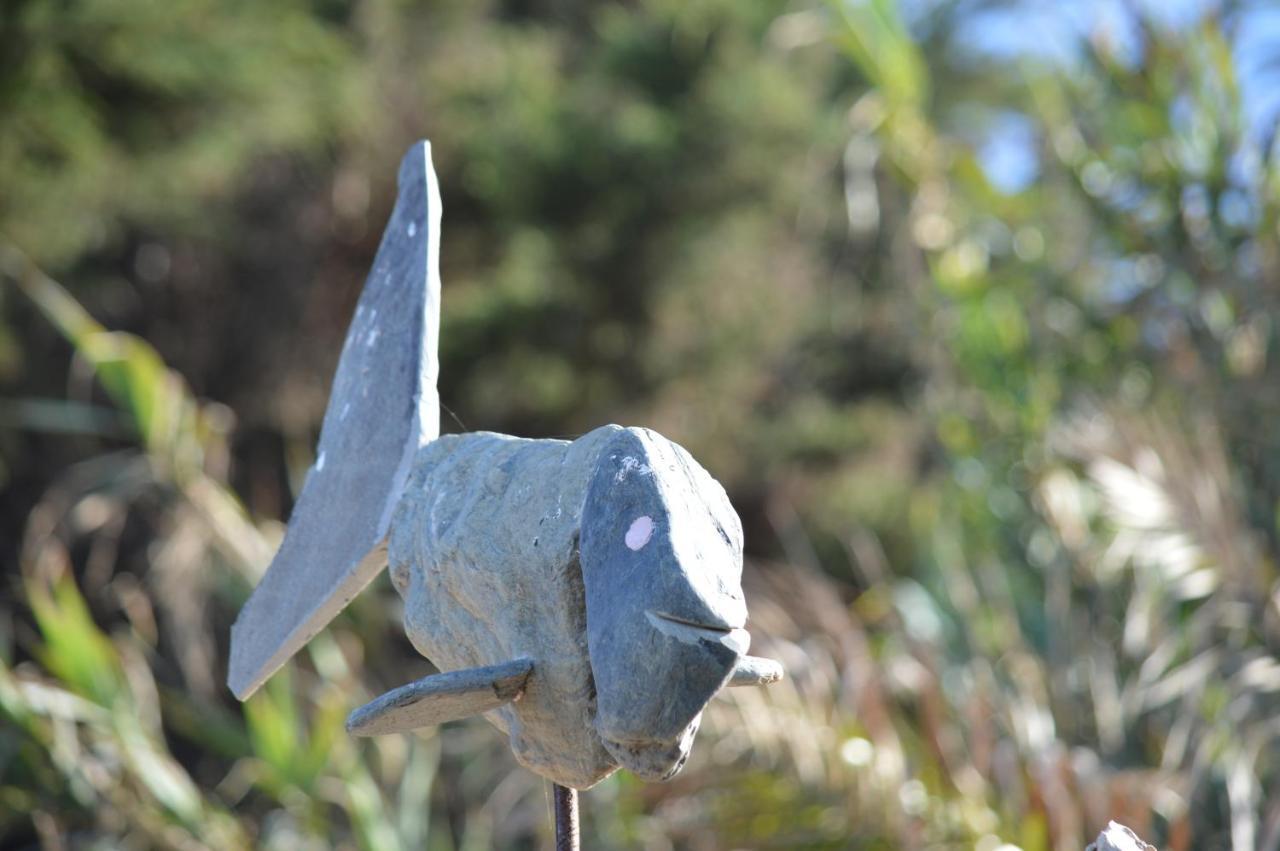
382,408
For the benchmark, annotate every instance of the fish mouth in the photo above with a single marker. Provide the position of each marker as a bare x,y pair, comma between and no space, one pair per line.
691,632
654,761
720,627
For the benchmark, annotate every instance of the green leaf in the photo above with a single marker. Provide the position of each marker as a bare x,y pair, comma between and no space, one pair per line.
74,649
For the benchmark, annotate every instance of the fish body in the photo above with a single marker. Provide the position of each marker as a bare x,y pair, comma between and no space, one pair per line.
568,554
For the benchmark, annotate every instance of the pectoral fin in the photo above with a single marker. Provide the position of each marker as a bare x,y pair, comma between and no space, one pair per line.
441,697
755,671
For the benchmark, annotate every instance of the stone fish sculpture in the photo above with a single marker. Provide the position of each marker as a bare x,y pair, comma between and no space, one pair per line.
585,596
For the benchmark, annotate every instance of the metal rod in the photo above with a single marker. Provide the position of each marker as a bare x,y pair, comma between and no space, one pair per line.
566,807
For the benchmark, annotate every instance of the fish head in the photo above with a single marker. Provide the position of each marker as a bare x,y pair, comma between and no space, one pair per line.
660,549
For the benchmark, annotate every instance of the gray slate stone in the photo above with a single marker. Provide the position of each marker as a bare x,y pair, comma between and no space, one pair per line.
755,671
661,555
613,562
484,552
382,408
441,697
584,596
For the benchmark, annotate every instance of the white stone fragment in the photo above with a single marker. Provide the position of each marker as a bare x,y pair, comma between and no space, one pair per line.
1117,837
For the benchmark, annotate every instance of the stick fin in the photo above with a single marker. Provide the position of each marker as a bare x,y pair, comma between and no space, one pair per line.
755,671
441,697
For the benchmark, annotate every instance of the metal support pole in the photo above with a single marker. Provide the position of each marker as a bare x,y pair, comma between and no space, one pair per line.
566,807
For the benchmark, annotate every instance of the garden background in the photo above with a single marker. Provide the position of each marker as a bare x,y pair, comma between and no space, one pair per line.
972,305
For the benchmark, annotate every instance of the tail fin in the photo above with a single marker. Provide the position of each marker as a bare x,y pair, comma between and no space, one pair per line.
382,407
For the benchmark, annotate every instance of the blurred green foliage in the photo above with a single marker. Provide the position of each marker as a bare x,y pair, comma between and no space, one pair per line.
1002,446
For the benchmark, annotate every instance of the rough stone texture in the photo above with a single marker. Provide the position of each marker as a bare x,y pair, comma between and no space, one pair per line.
754,671
441,697
485,550
382,408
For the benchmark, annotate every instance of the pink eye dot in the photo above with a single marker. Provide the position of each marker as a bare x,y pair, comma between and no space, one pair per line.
640,532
